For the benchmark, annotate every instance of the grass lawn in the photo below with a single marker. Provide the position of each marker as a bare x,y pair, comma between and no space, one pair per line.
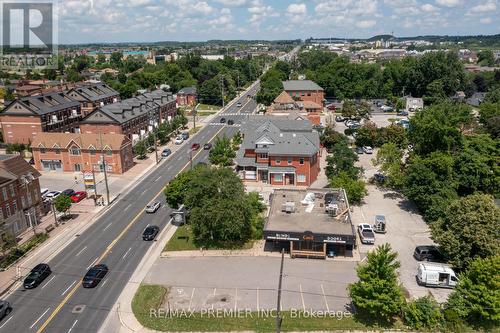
207,107
150,297
205,113
183,240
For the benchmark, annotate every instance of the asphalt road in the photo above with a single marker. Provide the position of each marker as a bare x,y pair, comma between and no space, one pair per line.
60,304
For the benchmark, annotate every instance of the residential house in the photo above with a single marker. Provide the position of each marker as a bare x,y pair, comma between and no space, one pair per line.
187,96
476,99
278,151
134,117
414,103
73,152
459,96
284,105
305,90
20,198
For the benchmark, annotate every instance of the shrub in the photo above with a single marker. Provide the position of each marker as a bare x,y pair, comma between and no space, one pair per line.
422,313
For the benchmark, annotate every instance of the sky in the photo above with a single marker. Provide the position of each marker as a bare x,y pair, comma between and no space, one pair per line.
84,21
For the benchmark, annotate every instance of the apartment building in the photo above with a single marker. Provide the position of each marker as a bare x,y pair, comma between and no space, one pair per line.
20,198
73,152
93,95
305,90
133,117
279,151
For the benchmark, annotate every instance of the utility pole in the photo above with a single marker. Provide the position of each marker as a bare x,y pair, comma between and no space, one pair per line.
104,167
278,306
54,211
195,110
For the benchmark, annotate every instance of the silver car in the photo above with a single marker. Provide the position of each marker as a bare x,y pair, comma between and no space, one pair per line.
152,207
5,309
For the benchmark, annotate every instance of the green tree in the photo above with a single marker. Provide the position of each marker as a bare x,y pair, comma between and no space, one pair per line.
389,160
342,159
486,58
349,109
476,298
354,188
175,192
489,117
493,96
377,295
368,135
467,229
101,59
140,149
222,153
116,59
62,203
423,314
329,138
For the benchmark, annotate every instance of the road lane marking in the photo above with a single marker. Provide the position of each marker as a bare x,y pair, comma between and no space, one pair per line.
110,246
72,326
302,297
324,297
92,264
128,206
191,299
71,285
45,285
43,314
102,285
5,322
126,253
109,225
80,252
157,179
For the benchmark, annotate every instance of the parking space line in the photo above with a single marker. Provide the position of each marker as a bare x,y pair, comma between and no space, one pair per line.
80,252
126,253
258,299
92,264
324,297
235,299
43,314
191,299
65,291
45,285
302,298
5,322
72,326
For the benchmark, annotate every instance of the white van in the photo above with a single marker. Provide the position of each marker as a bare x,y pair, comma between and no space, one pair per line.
432,275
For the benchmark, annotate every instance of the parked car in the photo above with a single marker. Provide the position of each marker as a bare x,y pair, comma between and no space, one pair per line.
150,233
368,150
428,253
380,224
166,152
432,275
222,120
52,195
207,146
195,146
230,122
78,196
238,104
36,276
386,108
152,207
318,127
179,140
331,107
402,113
5,309
339,119
94,275
359,150
69,192
43,192
185,135
379,177
366,234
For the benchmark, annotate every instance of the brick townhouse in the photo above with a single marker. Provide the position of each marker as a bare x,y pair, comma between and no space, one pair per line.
187,96
133,117
279,151
73,152
24,118
20,198
284,105
305,90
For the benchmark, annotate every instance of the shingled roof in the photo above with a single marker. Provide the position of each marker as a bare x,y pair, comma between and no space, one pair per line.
301,85
84,141
284,98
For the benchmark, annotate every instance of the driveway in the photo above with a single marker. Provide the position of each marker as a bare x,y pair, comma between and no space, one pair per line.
250,283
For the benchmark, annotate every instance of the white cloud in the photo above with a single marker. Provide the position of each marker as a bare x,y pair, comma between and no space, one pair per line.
297,9
364,24
485,20
449,3
484,8
428,8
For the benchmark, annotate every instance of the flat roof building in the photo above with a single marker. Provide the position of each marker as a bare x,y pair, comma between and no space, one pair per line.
311,223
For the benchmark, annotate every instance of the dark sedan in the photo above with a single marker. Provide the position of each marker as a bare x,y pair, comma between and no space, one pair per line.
150,233
69,192
94,276
207,146
36,276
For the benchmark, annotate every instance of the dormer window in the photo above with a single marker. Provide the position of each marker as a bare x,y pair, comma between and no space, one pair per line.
74,150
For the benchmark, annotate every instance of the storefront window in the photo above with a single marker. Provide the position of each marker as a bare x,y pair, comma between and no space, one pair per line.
278,177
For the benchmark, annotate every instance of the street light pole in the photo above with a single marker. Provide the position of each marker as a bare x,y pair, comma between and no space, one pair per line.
195,111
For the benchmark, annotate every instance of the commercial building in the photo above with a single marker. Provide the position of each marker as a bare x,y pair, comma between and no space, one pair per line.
285,105
278,151
133,117
72,152
310,223
20,198
305,90
187,96
414,103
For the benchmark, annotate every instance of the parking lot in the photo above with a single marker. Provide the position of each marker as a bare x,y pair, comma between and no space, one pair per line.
250,283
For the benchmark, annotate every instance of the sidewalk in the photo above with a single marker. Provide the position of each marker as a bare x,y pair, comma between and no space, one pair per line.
86,213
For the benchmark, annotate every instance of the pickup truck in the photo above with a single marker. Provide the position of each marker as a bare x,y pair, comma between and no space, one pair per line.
366,234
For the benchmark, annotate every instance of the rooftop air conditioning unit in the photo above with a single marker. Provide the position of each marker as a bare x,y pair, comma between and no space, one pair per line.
288,207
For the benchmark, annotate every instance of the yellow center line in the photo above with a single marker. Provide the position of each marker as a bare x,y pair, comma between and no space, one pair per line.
108,249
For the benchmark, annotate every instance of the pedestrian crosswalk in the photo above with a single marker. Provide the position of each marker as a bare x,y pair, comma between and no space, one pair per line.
224,124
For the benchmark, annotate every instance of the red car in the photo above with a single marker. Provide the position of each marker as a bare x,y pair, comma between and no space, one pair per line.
331,107
78,196
195,146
